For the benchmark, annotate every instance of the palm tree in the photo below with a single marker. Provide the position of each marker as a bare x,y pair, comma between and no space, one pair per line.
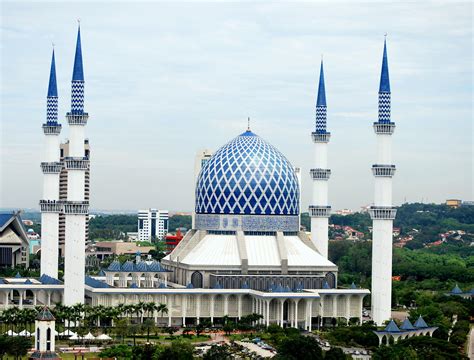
139,310
162,308
149,308
148,324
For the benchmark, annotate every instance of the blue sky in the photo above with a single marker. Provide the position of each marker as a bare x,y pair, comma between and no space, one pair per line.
166,79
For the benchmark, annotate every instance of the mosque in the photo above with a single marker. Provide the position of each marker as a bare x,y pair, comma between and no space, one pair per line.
245,254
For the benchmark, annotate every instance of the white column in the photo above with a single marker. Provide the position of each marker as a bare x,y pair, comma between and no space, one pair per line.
183,308
226,305
198,309
296,312
239,307
169,303
212,309
267,303
310,315
282,303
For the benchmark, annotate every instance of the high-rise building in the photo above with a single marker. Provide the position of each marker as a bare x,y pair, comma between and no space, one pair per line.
382,212
76,207
152,224
320,210
50,204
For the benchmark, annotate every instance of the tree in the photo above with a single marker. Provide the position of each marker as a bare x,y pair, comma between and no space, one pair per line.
117,351
18,346
180,349
3,346
394,353
299,348
335,354
122,329
218,352
148,325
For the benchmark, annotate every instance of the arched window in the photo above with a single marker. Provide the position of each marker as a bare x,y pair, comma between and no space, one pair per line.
331,279
48,339
196,279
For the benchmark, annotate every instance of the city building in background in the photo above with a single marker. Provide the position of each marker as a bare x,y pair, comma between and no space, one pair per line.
152,224
14,244
173,240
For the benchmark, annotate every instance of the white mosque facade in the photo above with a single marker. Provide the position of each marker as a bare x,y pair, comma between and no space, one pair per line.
246,253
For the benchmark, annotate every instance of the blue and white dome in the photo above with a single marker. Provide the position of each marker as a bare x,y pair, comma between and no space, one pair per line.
244,179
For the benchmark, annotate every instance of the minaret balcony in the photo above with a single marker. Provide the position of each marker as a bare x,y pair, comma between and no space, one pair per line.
51,206
319,211
77,119
320,137
383,170
54,167
76,163
320,174
76,207
382,212
381,128
52,129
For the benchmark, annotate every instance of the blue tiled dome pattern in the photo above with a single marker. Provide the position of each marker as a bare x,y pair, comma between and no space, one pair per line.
247,176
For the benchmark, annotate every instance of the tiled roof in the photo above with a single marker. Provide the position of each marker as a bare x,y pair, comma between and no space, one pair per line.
392,327
45,315
407,325
420,323
89,281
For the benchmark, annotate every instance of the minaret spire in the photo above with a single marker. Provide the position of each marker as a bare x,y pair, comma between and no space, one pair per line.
321,89
384,78
321,104
77,96
52,98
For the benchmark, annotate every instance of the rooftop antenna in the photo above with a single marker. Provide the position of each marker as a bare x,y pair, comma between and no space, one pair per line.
248,123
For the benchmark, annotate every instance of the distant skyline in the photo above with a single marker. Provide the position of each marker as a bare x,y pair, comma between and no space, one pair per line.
164,80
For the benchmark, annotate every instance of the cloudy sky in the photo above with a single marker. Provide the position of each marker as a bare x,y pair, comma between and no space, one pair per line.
166,79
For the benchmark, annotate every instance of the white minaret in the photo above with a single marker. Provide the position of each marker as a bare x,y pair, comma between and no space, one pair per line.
382,212
320,210
76,208
50,206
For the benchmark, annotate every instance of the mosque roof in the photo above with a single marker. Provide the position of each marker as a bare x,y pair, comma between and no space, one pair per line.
89,281
456,290
48,280
407,325
130,266
420,323
247,176
392,327
261,250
